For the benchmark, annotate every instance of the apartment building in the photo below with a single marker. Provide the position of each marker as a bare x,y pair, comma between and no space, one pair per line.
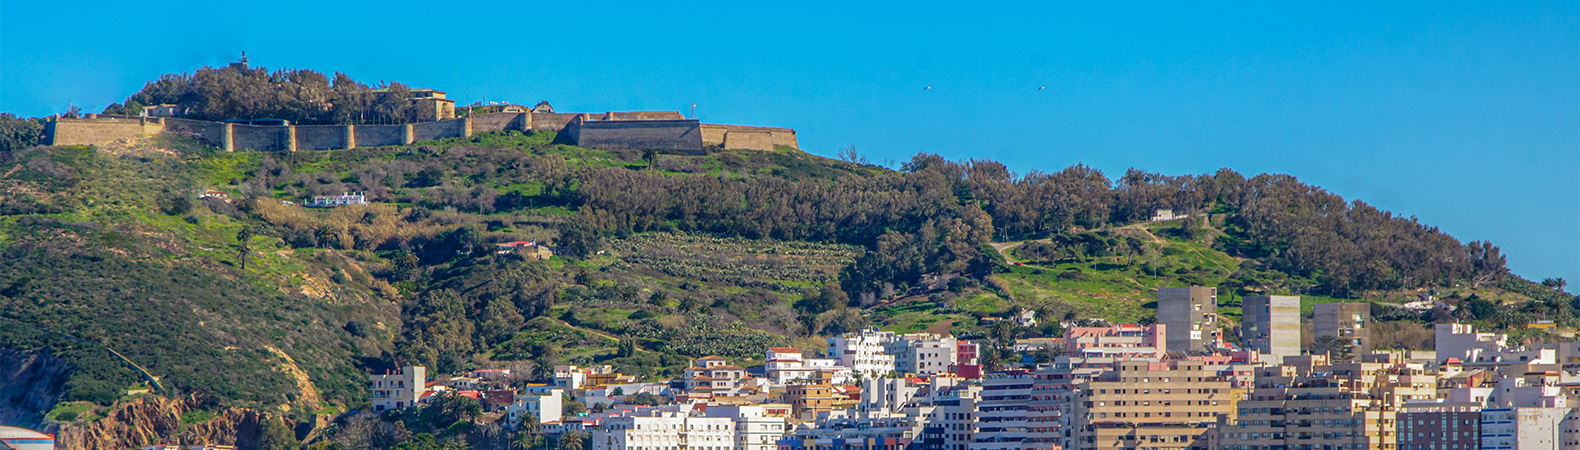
1341,406
808,400
1350,322
864,352
1001,416
1461,341
1271,325
664,430
1439,426
1190,317
923,353
1142,404
1522,428
755,427
1121,341
398,389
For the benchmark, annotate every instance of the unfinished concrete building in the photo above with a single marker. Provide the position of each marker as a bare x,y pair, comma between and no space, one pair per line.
1350,322
1271,325
1190,315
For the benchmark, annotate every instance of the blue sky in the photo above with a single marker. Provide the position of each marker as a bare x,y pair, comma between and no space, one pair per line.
1464,114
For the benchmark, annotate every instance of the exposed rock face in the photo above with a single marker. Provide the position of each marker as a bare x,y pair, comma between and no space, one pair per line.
157,420
30,384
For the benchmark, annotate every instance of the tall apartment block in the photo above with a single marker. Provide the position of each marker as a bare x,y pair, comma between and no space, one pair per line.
1271,325
1173,405
1348,321
1190,315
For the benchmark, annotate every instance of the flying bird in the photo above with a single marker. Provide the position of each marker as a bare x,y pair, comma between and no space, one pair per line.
1043,87
928,87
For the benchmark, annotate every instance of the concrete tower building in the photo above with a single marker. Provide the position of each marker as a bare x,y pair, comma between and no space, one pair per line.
1190,315
1271,325
1350,322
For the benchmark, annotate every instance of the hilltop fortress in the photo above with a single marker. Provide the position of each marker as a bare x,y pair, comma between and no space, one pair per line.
660,130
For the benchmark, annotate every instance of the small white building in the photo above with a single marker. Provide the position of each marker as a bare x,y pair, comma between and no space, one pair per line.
1164,215
331,201
546,407
398,389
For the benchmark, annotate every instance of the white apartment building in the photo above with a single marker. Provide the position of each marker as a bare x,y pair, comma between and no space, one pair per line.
547,407
1521,428
864,353
754,430
1001,411
398,389
664,430
1460,340
927,354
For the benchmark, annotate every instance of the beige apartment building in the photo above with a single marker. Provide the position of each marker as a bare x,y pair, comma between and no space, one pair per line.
1337,406
1170,405
1271,325
1350,322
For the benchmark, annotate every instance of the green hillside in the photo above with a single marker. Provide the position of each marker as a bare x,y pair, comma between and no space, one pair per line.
660,258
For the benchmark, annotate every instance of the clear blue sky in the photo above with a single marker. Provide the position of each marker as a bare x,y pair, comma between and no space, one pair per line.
1464,114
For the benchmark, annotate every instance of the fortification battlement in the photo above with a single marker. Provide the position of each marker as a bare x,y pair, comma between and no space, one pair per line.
231,136
662,130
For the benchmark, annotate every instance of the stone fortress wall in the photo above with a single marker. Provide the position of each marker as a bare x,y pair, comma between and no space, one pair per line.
661,130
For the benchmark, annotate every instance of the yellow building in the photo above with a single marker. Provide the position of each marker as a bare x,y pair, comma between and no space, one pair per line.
1172,405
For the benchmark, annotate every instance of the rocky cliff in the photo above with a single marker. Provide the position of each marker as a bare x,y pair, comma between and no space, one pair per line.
156,420
30,384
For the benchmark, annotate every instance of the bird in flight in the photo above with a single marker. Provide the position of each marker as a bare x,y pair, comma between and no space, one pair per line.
1043,87
928,87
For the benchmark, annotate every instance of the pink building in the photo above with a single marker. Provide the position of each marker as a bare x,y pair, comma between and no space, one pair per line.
1120,341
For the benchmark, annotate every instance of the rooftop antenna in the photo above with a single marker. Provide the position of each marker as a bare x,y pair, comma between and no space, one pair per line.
693,110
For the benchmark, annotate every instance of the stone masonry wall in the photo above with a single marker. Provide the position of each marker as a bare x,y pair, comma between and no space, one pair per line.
260,138
749,140
552,121
96,131
377,135
714,134
676,135
321,137
483,123
435,130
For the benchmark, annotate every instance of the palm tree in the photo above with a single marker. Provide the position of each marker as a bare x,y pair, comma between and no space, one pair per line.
526,433
243,247
571,440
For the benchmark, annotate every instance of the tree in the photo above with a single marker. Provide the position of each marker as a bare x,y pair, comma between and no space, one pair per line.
526,433
1044,355
1555,283
651,157
689,304
626,348
244,245
571,440
277,436
17,134
1338,349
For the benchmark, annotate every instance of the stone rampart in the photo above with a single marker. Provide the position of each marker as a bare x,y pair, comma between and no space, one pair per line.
377,135
425,131
98,130
260,138
323,137
542,121
716,134
483,123
748,140
676,135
